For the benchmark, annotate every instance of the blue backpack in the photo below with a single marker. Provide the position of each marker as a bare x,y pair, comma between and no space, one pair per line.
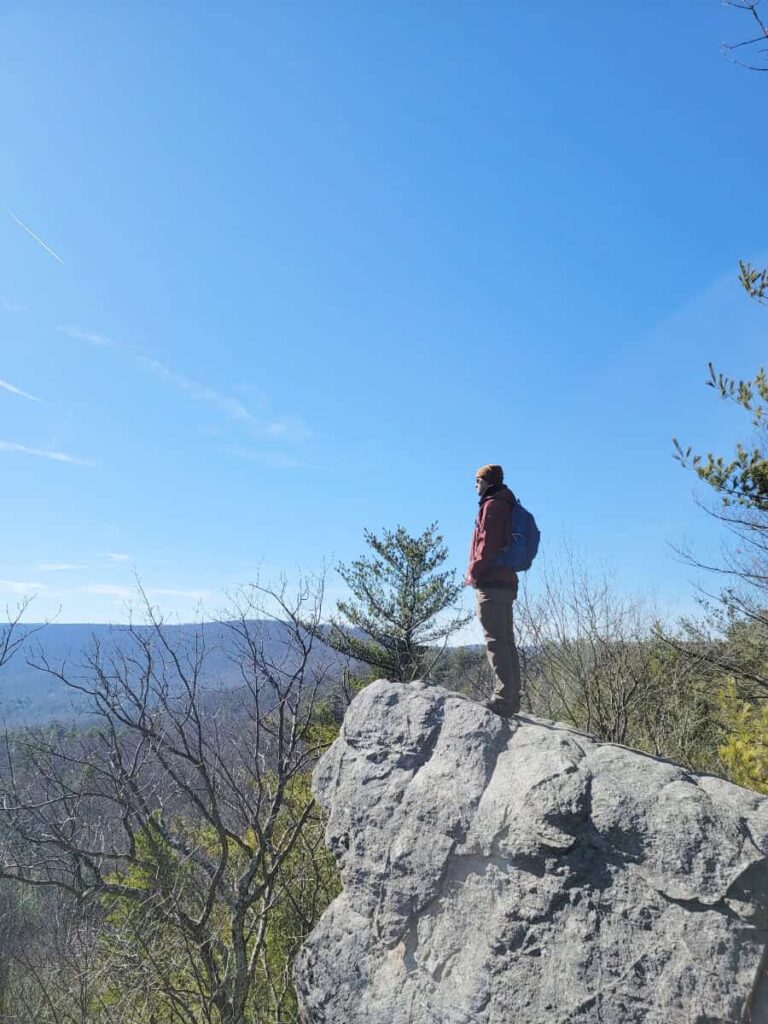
524,540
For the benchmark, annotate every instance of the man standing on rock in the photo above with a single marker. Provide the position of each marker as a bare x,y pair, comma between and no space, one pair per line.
496,587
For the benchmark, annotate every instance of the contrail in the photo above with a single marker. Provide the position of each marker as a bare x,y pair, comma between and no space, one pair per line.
23,449
17,391
32,233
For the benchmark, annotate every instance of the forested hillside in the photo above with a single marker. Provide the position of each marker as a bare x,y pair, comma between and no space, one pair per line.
31,694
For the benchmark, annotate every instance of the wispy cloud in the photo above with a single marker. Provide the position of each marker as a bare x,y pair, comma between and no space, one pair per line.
93,339
276,460
110,590
287,428
32,234
231,407
195,595
12,307
17,391
20,586
108,560
42,453
127,593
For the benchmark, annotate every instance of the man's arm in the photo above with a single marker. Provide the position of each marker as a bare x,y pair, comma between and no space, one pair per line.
492,538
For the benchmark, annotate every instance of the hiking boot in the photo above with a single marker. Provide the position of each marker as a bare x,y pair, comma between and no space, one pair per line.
500,707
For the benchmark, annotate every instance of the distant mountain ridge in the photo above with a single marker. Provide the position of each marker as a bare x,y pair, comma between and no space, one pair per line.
30,696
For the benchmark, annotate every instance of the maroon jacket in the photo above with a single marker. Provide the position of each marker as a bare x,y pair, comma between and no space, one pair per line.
491,536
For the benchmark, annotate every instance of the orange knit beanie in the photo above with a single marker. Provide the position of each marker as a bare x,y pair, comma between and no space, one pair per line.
492,474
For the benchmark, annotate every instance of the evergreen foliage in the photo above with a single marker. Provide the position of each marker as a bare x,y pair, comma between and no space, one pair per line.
165,866
741,480
397,613
744,748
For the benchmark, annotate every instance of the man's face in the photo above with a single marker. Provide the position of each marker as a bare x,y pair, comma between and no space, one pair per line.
481,486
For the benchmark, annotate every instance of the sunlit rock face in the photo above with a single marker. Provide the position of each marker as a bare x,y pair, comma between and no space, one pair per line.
522,872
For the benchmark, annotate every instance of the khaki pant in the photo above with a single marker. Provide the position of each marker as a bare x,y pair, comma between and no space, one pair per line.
494,610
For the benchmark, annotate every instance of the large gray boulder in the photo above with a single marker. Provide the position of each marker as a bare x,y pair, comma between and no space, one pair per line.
522,872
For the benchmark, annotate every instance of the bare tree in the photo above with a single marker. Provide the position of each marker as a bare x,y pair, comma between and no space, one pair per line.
731,634
60,971
466,670
187,820
593,659
755,47
734,632
12,634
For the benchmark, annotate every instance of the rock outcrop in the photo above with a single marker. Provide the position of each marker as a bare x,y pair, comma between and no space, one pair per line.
522,872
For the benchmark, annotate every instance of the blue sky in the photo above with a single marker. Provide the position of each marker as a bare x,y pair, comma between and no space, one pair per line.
300,268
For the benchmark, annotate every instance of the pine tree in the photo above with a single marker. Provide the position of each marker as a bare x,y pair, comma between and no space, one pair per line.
740,480
402,604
